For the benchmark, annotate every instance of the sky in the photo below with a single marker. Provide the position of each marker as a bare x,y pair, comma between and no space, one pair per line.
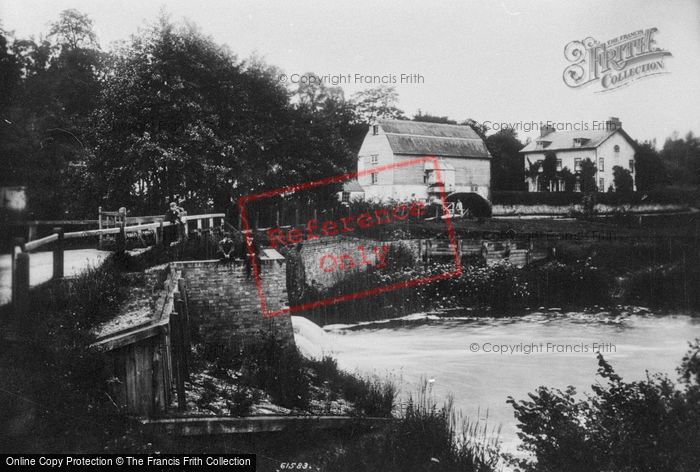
492,61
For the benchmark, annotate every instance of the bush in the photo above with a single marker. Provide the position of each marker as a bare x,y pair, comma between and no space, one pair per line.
371,396
651,424
279,370
425,437
662,196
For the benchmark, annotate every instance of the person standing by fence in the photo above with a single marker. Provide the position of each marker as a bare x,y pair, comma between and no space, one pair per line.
172,233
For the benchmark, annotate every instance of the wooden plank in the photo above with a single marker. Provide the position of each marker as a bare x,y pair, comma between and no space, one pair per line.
131,379
158,376
130,336
144,371
37,243
52,222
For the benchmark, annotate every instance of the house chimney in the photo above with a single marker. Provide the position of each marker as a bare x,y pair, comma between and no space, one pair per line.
614,123
545,130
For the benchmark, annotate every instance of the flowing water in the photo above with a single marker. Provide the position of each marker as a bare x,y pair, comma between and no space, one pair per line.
457,356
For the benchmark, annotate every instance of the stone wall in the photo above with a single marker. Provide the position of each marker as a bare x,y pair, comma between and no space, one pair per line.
313,251
224,303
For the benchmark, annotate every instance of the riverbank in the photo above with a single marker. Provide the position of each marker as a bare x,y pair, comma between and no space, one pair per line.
577,274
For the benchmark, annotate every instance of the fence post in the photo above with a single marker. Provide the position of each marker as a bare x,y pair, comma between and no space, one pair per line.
121,236
31,233
158,233
20,287
58,255
99,226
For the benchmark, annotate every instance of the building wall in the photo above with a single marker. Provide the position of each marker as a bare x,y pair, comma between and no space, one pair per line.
375,145
605,151
406,183
224,303
612,158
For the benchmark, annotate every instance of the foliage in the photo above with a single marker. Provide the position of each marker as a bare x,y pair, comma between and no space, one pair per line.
650,171
622,178
55,385
652,424
428,118
588,172
424,437
681,156
507,167
549,169
370,395
569,179
378,103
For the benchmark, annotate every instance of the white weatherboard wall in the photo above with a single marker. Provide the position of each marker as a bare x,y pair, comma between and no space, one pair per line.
406,183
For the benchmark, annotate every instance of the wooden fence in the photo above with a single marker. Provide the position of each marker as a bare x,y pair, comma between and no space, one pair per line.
21,249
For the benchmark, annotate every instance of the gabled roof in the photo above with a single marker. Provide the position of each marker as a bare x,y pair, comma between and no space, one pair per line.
556,141
433,139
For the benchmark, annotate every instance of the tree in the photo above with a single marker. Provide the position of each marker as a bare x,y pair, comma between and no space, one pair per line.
315,94
428,118
376,103
45,119
507,166
180,115
682,157
650,171
533,171
74,30
549,169
622,179
587,175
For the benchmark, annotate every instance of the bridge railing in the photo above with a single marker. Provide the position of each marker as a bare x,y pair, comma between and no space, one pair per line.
20,270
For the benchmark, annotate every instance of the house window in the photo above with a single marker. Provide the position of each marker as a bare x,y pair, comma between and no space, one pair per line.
374,159
475,188
346,197
426,177
577,164
374,178
632,166
616,148
601,185
558,164
375,129
601,164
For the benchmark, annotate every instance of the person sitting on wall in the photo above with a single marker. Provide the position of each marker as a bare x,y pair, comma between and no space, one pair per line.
226,247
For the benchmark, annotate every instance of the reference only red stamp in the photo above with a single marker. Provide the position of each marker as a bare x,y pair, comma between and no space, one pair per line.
366,254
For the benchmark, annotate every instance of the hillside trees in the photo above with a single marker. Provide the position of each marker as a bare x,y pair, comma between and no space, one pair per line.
181,115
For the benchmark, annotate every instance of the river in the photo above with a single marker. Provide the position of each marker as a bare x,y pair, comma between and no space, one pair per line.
458,355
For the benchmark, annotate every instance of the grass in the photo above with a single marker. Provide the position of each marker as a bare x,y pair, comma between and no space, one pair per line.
288,378
424,437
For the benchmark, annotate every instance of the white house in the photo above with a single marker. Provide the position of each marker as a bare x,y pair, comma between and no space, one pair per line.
607,147
464,161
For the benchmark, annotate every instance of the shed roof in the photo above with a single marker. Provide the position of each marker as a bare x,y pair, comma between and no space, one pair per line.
433,139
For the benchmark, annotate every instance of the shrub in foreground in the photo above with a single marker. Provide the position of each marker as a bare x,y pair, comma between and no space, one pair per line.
651,424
